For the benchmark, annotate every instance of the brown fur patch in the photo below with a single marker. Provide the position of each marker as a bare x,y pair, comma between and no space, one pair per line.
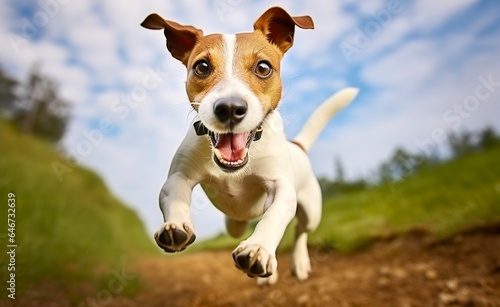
210,48
251,49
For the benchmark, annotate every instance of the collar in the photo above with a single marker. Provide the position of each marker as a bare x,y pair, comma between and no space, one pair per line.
200,129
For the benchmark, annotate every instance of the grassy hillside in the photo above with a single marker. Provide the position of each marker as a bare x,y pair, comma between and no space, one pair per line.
65,230
442,200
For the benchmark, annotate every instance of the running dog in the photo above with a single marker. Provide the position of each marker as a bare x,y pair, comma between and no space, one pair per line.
237,150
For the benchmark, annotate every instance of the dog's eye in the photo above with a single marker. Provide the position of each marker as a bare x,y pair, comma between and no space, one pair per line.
202,68
263,69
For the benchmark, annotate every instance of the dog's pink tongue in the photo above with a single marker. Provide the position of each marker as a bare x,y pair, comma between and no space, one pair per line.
231,146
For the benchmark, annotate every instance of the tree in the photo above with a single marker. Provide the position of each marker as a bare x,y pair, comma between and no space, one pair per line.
401,165
8,97
339,171
41,110
488,139
461,143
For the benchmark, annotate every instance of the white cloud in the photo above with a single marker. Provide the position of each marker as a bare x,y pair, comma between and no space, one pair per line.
428,15
77,89
409,17
369,7
330,21
406,68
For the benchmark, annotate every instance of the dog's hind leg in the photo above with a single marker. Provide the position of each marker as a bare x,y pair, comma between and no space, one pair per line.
236,228
308,216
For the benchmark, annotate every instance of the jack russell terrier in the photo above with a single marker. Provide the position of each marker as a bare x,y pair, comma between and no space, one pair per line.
237,151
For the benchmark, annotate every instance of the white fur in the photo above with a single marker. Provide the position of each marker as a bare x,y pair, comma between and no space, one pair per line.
229,51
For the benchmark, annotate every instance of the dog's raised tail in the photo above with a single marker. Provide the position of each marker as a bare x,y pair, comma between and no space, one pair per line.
322,115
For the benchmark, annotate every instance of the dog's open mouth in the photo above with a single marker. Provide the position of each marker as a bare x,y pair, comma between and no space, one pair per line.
231,149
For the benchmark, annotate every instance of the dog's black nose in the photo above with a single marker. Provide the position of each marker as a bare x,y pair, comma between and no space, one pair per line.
230,109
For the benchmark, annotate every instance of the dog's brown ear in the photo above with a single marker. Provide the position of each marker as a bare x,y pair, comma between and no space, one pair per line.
279,26
180,39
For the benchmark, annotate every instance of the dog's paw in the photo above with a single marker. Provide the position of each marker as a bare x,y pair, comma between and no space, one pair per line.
254,260
301,267
267,281
174,237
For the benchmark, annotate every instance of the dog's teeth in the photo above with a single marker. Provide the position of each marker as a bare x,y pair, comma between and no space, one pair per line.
218,154
229,163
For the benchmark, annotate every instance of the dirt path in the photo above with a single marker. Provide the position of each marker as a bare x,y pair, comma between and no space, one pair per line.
409,271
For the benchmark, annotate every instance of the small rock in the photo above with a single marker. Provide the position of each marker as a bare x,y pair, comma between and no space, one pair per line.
447,298
382,282
350,275
431,274
206,278
384,270
399,273
303,299
277,297
464,297
421,267
452,284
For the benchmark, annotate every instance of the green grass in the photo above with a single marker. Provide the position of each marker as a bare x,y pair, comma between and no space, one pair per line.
443,200
72,230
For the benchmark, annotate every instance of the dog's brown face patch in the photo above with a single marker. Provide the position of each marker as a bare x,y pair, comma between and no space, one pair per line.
210,49
258,62
248,57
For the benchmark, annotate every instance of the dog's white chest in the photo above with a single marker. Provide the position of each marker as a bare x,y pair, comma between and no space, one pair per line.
239,198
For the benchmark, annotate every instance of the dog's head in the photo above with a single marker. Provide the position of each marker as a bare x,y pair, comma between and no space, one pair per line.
233,81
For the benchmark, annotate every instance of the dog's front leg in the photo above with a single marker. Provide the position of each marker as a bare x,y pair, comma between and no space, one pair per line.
177,232
256,256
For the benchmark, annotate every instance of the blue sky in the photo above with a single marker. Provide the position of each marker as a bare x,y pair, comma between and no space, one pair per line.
424,68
